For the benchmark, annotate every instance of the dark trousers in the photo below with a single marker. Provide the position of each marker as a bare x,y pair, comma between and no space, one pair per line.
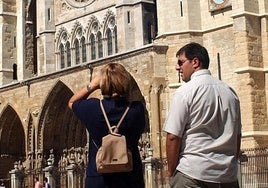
95,182
180,180
116,180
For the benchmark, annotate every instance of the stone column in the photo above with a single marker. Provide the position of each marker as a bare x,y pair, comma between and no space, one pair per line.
71,173
58,60
50,169
72,170
105,46
114,44
14,179
148,175
49,174
16,176
21,39
156,124
28,168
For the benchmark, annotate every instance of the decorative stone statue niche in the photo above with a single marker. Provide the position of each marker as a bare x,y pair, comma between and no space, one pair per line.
51,159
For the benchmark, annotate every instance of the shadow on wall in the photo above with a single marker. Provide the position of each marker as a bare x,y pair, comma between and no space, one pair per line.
136,95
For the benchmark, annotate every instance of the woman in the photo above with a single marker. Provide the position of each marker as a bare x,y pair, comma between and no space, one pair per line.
114,82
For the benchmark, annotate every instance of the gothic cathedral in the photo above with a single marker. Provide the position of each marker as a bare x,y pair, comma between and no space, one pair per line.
49,49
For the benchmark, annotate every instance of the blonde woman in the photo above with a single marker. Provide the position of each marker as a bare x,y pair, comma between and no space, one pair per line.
114,81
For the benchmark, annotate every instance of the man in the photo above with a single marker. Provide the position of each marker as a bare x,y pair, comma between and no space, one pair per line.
37,183
203,126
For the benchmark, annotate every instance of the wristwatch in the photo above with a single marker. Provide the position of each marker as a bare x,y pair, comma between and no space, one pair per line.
88,88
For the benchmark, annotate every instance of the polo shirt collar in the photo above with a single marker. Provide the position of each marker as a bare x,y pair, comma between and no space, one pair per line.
200,72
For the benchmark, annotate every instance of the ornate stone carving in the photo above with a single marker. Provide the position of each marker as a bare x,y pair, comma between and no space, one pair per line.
51,159
36,112
71,156
39,164
79,157
79,3
64,160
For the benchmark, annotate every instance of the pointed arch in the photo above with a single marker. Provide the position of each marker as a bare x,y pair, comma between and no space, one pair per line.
110,32
61,46
109,20
61,37
12,140
58,127
76,32
12,136
93,26
111,38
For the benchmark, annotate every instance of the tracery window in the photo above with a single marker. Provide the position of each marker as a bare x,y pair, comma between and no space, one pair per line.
84,50
111,35
92,47
100,46
77,51
115,39
68,51
109,41
62,63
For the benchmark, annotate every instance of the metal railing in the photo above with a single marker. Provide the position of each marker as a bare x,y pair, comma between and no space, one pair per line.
254,170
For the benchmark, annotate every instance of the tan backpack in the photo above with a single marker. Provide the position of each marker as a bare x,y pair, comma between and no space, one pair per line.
113,155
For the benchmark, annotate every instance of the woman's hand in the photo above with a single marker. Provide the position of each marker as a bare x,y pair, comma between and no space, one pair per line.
85,91
95,82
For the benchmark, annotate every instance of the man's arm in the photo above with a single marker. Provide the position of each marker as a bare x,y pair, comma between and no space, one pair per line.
173,144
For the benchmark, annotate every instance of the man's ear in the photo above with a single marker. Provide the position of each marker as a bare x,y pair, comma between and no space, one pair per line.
196,63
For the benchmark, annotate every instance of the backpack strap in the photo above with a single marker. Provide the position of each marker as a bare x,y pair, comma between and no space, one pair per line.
113,129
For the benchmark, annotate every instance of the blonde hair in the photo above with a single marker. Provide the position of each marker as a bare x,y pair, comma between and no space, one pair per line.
115,79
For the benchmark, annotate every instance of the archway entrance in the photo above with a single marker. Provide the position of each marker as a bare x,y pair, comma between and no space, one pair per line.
12,143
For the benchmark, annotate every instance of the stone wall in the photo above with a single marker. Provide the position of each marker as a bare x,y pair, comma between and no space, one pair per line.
31,95
236,38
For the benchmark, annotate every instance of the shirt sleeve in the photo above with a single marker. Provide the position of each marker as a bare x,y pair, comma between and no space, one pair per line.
177,116
78,109
83,108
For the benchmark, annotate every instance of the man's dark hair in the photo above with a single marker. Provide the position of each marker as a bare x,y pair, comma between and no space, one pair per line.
195,50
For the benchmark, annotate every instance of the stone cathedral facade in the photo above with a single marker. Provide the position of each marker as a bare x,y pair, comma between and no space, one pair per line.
49,49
